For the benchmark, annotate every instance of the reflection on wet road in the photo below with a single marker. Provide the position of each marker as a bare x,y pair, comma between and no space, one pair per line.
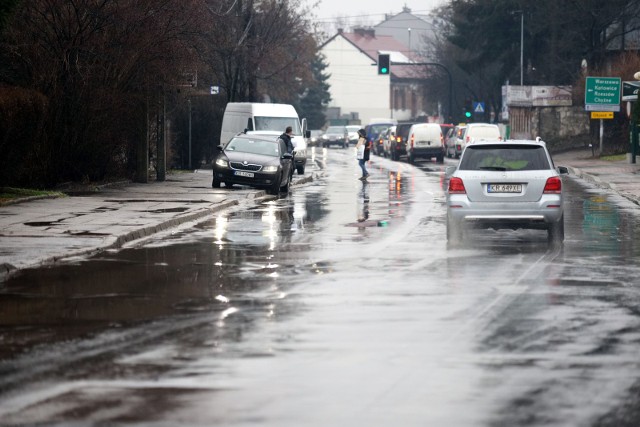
337,305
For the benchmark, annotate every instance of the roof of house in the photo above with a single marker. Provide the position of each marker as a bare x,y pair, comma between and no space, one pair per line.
370,44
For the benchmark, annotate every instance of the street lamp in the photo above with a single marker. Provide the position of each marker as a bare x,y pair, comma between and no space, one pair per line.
521,12
521,48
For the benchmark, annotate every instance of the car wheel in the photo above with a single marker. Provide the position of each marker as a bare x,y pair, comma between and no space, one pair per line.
285,188
440,158
454,233
214,182
228,184
300,170
275,187
410,158
344,145
555,232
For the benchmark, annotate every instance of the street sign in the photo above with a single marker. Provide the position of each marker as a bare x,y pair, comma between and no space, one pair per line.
602,114
630,91
602,94
478,107
214,90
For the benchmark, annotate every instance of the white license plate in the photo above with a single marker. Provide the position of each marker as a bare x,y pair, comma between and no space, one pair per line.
504,188
246,174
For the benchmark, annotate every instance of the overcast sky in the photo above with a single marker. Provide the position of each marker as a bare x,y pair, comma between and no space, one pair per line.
369,12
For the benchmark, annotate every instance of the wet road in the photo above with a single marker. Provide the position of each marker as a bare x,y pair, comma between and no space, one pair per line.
337,305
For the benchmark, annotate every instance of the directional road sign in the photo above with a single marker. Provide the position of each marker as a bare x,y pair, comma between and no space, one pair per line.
602,94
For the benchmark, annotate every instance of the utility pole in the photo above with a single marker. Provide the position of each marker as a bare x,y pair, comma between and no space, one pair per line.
635,117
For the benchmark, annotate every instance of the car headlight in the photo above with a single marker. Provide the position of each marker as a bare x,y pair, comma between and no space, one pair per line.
222,163
325,137
270,169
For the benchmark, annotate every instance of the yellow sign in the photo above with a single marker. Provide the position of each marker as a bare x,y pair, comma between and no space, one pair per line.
602,114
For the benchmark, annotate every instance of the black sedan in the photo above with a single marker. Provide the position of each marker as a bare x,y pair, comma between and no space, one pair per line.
256,161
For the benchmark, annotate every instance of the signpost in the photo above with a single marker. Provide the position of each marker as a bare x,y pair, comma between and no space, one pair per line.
602,94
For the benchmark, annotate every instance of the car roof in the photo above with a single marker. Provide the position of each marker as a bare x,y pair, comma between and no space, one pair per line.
258,135
538,142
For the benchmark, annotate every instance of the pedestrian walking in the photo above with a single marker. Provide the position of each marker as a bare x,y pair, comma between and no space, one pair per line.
363,150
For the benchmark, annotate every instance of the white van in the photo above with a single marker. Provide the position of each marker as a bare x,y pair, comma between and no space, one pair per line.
266,119
480,132
425,140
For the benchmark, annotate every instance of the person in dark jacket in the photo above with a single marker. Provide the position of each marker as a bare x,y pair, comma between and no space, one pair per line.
286,137
363,150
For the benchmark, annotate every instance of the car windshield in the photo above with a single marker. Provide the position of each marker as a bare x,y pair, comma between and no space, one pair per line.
278,124
504,157
353,128
253,146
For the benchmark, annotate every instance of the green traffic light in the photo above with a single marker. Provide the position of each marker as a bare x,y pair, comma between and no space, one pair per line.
384,70
467,114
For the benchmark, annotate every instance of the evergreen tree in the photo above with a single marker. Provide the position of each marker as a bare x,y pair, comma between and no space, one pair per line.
313,102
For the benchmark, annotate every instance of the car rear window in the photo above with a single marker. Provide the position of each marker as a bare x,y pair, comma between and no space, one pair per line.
504,157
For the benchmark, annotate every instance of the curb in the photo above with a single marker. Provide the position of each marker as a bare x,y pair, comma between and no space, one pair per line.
602,184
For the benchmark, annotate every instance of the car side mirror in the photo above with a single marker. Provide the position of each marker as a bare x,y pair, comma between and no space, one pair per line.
449,170
287,156
563,170
220,147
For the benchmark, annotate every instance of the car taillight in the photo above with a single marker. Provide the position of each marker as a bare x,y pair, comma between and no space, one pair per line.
553,186
468,139
456,186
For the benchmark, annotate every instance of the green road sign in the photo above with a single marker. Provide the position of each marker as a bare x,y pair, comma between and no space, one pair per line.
602,94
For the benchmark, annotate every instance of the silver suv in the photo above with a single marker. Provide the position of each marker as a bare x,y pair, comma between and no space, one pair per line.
505,185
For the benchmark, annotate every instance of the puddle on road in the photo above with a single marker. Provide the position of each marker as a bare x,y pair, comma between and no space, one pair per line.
191,271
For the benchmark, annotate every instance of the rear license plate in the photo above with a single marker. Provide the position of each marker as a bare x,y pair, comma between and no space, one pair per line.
246,174
504,188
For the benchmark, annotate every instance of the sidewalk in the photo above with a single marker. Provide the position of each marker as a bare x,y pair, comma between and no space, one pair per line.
42,231
39,232
620,176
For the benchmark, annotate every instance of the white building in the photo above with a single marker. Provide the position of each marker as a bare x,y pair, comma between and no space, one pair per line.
356,86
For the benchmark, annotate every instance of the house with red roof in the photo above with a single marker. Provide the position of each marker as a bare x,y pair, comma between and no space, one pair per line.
358,90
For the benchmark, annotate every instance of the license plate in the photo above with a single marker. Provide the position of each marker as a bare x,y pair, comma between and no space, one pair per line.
504,188
245,174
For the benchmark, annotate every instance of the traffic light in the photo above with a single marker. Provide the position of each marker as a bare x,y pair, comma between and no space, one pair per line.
468,109
383,63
